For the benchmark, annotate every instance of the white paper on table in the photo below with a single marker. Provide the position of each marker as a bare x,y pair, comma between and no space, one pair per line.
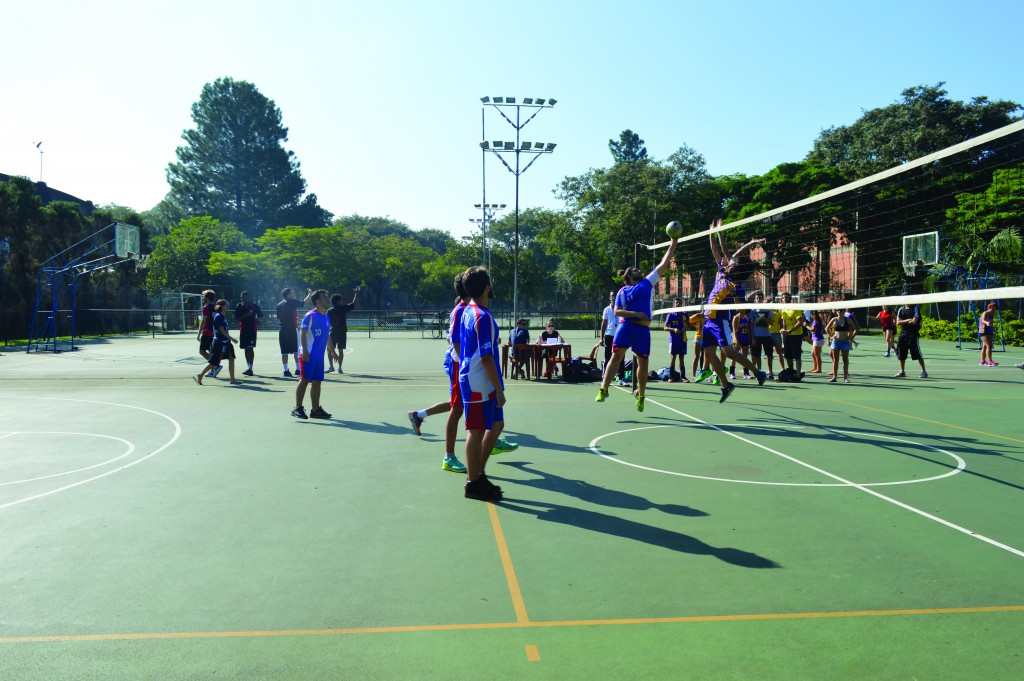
552,341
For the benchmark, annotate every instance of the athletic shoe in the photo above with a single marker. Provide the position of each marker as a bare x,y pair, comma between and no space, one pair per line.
416,422
452,464
900,374
247,372
287,374
330,370
625,384
486,482
832,379
924,374
732,375
703,375
640,403
1019,366
480,489
887,354
319,413
716,380
299,413
983,364
684,379
602,395
726,391
993,364
217,369
212,373
671,380
503,445
340,370
771,377
846,380
762,377
197,380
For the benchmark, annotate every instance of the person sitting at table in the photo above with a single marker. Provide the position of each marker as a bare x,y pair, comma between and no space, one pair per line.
520,356
550,353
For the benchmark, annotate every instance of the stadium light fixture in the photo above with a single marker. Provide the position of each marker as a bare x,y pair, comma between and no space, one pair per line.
518,147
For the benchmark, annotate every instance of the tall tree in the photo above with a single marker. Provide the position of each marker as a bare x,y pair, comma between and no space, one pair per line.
629,148
923,121
234,166
181,257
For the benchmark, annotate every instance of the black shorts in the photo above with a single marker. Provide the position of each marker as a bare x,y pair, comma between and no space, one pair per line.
205,342
758,342
908,344
289,341
792,346
246,339
338,339
220,352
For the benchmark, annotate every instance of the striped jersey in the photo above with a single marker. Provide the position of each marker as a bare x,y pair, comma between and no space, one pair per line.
478,338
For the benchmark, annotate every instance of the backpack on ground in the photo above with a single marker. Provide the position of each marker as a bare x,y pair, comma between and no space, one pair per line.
789,376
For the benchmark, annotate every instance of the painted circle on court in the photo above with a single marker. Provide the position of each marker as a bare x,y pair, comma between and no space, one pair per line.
960,464
117,467
129,448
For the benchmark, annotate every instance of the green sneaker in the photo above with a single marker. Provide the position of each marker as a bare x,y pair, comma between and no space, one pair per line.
503,445
453,464
703,375
639,402
602,395
716,381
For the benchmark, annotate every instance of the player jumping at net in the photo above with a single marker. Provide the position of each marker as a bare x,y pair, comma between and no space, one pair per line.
731,270
314,335
633,305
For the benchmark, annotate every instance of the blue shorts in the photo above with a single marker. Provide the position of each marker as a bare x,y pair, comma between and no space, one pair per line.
483,415
313,370
676,345
635,337
840,345
713,335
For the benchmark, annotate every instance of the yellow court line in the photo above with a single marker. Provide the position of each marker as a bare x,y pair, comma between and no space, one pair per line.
938,423
510,573
513,625
532,654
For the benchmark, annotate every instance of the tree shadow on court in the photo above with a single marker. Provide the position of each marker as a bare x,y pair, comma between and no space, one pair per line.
628,529
585,491
251,386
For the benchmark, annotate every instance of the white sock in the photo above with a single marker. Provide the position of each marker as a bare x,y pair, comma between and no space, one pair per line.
422,413
250,367
449,455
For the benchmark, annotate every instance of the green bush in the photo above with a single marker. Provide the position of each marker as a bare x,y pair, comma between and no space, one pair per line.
941,329
578,322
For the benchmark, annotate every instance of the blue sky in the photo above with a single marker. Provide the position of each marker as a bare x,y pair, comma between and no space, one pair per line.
382,99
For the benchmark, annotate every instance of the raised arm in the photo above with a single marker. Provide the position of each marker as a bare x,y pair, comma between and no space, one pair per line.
715,241
666,260
745,246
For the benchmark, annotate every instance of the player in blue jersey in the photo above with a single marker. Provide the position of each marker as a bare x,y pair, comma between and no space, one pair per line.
483,392
220,347
633,305
733,269
313,337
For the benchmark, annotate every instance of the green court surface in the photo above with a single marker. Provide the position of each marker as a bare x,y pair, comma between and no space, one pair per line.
155,529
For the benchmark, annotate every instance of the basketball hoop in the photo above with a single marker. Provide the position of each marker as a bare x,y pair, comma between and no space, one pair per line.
910,267
140,261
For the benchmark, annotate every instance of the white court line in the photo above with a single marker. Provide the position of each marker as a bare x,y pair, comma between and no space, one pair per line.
127,452
862,488
177,434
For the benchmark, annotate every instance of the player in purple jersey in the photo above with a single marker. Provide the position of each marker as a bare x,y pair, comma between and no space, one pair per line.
733,269
315,330
483,391
633,305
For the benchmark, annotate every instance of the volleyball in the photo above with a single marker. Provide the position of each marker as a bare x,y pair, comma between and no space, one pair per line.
674,229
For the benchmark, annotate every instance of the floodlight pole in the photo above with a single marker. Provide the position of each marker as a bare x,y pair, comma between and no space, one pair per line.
517,148
489,210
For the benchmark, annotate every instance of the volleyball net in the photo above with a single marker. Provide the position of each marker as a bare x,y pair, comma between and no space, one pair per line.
942,229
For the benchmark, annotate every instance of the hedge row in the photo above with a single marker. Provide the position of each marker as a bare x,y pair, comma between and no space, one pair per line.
941,329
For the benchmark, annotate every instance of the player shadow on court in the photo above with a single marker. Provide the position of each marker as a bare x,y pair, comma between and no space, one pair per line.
377,428
527,440
628,529
593,494
251,386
